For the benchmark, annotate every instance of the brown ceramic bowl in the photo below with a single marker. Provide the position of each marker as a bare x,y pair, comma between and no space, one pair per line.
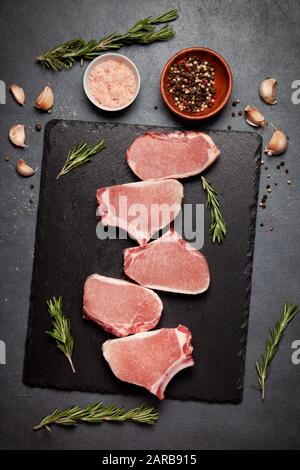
223,82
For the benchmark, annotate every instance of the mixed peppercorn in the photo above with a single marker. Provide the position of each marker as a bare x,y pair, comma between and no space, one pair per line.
191,84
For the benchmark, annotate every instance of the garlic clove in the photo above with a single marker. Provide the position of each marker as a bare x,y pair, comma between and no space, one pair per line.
267,90
254,117
277,144
23,169
45,99
17,135
18,93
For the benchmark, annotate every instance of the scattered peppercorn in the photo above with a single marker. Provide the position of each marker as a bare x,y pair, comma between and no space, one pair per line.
261,224
268,176
234,103
286,170
238,101
233,114
191,83
38,127
266,168
278,167
31,201
289,182
240,113
269,190
6,159
229,127
268,186
265,197
263,205
275,184
31,186
155,107
262,162
282,163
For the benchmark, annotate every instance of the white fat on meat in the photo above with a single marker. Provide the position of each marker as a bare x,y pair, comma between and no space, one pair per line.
168,264
178,154
150,359
120,307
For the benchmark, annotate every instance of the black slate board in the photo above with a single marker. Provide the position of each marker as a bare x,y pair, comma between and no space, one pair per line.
67,251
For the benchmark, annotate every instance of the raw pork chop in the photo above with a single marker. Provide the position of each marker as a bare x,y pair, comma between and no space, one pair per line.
169,264
173,155
150,359
120,307
140,208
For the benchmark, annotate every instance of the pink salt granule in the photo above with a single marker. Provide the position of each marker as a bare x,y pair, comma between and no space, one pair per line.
112,83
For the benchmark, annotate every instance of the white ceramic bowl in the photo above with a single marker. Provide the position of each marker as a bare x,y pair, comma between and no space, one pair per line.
95,62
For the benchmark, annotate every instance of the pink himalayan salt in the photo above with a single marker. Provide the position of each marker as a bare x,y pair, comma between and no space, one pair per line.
112,83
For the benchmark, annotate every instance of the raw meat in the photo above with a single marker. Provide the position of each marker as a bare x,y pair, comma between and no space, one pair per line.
168,264
171,155
141,208
150,359
120,307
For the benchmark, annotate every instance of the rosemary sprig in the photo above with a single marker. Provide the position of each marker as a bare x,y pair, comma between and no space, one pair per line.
263,367
80,155
218,228
98,413
144,31
61,331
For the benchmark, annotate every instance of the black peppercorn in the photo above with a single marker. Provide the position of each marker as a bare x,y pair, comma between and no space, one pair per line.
31,186
38,127
233,114
268,186
282,163
261,224
240,113
278,167
229,127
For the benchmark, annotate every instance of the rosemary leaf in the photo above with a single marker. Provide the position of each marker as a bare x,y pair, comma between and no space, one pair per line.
98,413
289,310
144,31
61,329
80,155
218,228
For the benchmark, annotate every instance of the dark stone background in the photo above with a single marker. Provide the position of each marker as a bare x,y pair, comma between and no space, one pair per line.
258,39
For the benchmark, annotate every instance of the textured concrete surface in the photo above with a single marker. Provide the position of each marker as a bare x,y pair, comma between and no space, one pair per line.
258,39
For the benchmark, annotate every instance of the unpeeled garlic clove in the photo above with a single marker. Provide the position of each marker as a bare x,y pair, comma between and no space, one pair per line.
18,93
277,144
17,135
267,90
23,169
254,117
45,99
